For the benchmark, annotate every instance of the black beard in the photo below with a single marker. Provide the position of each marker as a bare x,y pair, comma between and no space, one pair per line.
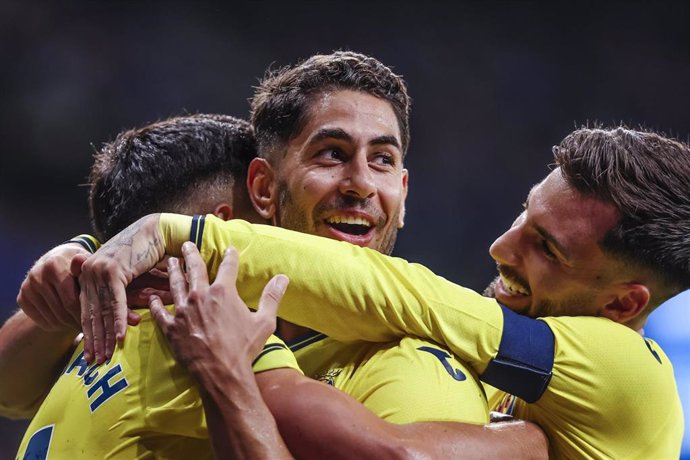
490,290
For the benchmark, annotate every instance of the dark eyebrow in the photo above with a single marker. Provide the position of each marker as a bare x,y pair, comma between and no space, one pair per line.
341,134
389,140
330,133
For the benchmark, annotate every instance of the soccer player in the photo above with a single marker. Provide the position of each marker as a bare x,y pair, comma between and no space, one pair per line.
141,402
603,237
351,128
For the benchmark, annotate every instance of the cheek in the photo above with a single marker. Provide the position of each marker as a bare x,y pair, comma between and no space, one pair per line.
391,194
309,188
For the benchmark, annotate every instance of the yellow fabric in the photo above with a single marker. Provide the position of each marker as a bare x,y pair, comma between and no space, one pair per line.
398,381
356,281
149,407
608,398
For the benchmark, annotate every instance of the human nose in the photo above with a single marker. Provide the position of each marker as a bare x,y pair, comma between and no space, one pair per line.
506,249
359,180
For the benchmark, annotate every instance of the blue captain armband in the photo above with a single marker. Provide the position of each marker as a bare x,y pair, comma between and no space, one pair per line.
88,242
524,362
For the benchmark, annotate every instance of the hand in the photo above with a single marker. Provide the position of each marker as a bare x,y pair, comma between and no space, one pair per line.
212,327
155,282
103,278
49,294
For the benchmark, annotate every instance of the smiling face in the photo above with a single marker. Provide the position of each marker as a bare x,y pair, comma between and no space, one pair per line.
342,176
550,262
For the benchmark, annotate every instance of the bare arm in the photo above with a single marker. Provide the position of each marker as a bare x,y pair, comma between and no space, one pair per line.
315,420
23,387
215,336
43,334
319,421
103,280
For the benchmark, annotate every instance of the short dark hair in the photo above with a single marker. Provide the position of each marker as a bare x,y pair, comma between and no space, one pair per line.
646,176
158,168
280,106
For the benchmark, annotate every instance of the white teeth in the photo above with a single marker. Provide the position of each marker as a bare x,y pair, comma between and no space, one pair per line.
348,220
513,288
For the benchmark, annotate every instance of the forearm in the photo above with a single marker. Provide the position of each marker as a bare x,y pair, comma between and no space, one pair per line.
239,422
137,248
30,361
515,439
318,421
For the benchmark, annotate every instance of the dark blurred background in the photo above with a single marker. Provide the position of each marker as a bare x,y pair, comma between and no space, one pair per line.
495,85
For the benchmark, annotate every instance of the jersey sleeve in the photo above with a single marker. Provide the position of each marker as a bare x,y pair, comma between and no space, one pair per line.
274,355
354,293
368,296
612,395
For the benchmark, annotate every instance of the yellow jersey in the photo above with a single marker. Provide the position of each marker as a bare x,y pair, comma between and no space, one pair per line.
405,381
138,405
597,388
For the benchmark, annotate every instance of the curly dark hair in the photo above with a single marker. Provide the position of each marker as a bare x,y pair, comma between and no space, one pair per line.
281,102
646,176
168,166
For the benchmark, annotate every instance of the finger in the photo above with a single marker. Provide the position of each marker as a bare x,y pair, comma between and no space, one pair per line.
97,296
33,305
69,297
108,328
60,309
118,310
133,318
178,282
86,324
227,271
166,296
196,268
140,297
160,315
270,300
41,294
76,263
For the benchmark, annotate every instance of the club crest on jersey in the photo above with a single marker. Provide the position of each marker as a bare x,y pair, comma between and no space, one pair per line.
328,376
102,381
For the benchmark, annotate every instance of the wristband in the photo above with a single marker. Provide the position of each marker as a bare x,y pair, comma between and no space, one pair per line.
88,242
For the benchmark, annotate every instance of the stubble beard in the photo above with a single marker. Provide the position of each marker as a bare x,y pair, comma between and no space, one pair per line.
292,217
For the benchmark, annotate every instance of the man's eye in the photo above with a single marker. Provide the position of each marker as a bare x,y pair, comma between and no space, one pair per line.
547,250
384,159
331,154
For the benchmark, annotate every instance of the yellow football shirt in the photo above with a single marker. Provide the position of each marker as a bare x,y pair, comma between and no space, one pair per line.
405,381
140,404
597,388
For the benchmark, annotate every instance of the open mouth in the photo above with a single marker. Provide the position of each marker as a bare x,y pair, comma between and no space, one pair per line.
350,224
513,288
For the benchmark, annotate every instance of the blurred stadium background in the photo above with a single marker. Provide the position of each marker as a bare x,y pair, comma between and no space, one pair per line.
495,85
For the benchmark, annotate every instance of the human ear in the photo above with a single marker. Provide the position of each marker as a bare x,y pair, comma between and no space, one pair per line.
401,216
629,303
262,187
223,211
